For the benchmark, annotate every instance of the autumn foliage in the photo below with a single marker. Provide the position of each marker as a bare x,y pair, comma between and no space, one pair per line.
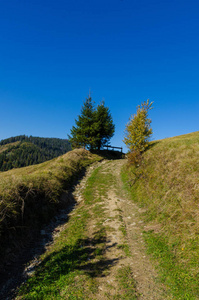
138,132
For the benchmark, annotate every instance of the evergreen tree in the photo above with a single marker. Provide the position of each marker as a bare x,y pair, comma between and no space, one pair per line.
94,127
105,126
84,133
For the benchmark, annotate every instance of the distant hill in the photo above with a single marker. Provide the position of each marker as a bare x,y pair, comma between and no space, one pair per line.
22,151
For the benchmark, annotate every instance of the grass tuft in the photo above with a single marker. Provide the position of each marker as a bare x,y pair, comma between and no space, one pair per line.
127,284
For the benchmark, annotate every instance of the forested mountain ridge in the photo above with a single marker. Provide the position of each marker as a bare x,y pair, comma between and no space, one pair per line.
22,151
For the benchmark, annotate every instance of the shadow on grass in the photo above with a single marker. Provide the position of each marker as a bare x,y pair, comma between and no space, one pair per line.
82,256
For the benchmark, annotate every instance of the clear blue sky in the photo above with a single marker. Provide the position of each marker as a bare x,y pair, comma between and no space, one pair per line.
125,51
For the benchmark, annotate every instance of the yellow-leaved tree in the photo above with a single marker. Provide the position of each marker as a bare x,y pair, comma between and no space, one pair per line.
138,131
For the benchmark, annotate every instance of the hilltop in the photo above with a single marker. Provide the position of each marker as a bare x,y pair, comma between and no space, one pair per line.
22,151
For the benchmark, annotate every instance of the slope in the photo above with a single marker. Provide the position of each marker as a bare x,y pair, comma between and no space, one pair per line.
30,196
166,185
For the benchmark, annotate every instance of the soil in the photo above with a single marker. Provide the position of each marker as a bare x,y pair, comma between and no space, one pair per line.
117,203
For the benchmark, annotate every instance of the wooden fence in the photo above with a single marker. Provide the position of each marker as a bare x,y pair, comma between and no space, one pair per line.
113,147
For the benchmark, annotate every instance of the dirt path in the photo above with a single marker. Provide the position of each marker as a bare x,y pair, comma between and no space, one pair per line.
123,218
116,256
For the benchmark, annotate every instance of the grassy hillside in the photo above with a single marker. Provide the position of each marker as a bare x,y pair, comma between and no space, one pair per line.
166,185
21,151
30,196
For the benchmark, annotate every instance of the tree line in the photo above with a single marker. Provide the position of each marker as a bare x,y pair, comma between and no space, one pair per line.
30,150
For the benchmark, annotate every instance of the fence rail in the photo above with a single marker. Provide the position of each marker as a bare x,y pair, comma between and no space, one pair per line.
113,147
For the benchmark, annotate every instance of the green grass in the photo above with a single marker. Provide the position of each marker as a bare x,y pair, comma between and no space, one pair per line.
65,270
182,283
125,248
127,284
122,226
167,186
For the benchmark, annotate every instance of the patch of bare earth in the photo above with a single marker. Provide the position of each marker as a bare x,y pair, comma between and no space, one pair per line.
108,285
